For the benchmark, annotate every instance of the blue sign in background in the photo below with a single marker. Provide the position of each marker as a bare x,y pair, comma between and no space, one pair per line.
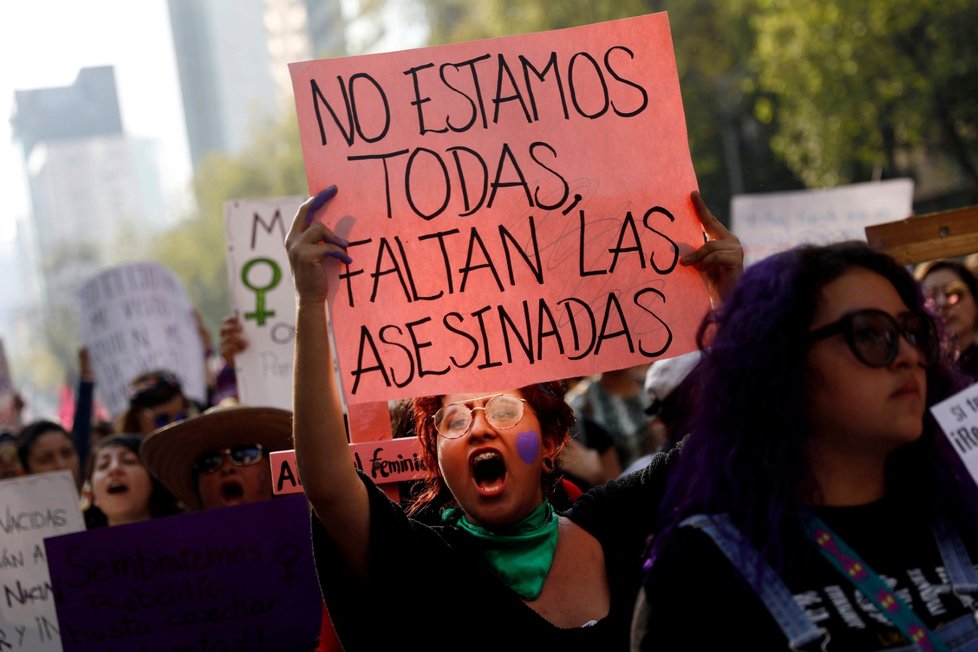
238,578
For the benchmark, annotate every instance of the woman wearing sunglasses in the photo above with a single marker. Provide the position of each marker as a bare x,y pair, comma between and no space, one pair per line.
816,504
502,570
219,458
123,491
952,292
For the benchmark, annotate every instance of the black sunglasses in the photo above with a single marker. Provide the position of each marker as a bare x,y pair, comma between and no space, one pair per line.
239,455
874,335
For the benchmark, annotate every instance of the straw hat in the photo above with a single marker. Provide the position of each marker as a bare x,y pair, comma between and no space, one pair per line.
169,452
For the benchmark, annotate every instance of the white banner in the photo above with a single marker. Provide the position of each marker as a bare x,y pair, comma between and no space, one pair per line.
772,222
137,318
32,508
958,418
262,296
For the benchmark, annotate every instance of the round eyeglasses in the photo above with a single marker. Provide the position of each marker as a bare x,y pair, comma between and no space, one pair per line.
239,456
874,335
503,411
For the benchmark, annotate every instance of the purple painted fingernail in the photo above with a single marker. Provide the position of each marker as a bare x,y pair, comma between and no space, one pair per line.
320,199
339,255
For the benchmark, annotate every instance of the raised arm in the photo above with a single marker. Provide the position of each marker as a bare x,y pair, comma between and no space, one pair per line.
721,258
329,480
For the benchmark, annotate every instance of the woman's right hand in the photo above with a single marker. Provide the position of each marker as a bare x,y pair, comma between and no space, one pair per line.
233,341
308,244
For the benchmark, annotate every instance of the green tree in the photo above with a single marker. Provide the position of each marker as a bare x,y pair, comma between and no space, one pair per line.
195,250
728,145
858,83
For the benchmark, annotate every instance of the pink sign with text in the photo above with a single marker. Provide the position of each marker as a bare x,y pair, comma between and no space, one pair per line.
516,208
385,462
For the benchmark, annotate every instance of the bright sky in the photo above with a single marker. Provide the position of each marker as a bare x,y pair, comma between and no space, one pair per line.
45,43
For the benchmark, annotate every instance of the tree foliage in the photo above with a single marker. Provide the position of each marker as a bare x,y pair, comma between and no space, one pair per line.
712,44
857,82
780,93
196,250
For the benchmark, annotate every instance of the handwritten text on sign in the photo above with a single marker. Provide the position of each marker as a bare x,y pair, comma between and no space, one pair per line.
958,418
238,578
516,208
136,318
392,460
263,297
771,222
33,507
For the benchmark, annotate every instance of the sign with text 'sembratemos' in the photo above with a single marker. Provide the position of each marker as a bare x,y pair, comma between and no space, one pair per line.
237,578
34,507
263,297
516,208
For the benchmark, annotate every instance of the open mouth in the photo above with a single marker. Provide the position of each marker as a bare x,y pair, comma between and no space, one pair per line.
488,471
117,489
232,492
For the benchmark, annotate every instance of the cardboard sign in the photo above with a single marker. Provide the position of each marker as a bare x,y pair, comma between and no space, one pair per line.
263,297
516,208
137,318
386,462
958,418
772,222
928,237
9,416
33,507
237,578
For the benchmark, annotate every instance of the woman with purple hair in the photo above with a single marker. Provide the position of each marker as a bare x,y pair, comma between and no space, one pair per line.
816,504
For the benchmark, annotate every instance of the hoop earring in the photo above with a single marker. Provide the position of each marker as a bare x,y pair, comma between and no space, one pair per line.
549,465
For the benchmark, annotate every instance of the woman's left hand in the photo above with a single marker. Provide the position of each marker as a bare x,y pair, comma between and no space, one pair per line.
721,259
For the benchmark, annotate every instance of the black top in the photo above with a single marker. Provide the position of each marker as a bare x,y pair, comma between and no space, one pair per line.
697,600
429,589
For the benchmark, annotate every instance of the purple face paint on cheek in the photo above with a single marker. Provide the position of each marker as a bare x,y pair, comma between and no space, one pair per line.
528,446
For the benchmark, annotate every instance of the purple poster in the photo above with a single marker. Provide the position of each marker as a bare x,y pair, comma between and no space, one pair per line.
238,578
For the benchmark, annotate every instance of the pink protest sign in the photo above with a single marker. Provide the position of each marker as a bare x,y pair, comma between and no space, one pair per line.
515,207
386,462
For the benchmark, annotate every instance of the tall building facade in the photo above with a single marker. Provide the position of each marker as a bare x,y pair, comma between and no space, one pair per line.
232,59
89,185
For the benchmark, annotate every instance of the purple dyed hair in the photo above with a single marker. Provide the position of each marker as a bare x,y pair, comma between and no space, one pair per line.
745,455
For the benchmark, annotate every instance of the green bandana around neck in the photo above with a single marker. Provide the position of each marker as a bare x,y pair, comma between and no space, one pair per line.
523,555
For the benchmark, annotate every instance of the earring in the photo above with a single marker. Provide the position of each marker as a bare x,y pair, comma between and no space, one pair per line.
549,465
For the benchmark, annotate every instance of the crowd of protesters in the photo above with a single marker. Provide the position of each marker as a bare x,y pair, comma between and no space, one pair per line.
787,472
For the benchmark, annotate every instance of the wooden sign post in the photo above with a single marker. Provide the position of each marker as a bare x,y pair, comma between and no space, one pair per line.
929,237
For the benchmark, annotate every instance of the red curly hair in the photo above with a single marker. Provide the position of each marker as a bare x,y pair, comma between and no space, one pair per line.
547,401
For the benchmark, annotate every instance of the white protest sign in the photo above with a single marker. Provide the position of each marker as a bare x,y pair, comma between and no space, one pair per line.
137,318
8,396
262,296
772,222
34,507
958,418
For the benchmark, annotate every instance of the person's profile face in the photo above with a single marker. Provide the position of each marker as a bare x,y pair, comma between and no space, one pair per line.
855,407
237,480
949,296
